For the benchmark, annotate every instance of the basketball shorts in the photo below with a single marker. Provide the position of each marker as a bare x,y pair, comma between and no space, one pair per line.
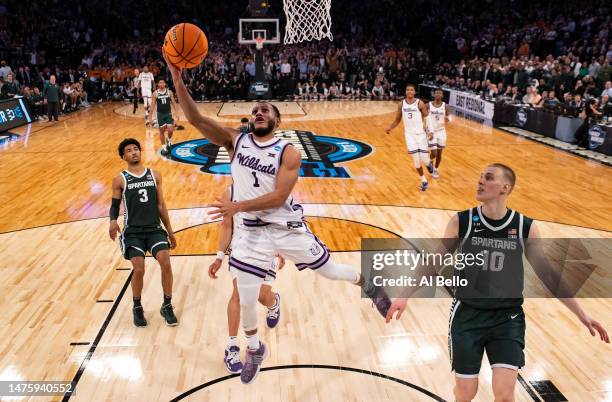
500,333
255,250
136,244
439,140
164,119
234,272
417,143
146,96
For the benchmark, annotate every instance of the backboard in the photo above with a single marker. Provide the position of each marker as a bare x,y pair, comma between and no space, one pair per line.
250,28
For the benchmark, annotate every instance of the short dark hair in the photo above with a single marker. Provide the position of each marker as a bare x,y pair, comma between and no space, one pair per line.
278,113
439,89
125,143
411,85
508,173
244,120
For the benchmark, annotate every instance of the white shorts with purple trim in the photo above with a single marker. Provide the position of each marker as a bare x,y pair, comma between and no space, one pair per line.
417,143
255,249
439,140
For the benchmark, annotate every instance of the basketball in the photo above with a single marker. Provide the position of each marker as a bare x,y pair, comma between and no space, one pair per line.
185,45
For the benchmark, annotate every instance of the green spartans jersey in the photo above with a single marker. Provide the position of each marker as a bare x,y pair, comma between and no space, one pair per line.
163,101
140,202
495,281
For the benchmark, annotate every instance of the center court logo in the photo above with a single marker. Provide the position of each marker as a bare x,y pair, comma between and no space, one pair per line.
319,153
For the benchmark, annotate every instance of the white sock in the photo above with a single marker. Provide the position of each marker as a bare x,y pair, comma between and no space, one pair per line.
253,341
233,341
423,179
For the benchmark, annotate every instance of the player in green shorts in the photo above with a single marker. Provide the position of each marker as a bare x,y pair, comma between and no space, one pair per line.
487,314
163,103
144,207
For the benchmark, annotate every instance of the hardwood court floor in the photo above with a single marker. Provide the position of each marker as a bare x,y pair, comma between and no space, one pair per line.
58,261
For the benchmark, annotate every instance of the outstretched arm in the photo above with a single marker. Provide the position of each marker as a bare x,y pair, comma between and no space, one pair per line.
398,118
288,173
537,258
217,134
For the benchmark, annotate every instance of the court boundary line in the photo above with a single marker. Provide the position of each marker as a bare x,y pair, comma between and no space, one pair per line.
529,390
305,203
94,344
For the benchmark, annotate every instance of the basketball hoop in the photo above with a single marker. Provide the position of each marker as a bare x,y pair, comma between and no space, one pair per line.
259,42
307,20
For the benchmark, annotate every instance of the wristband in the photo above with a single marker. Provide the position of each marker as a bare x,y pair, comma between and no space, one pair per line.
220,255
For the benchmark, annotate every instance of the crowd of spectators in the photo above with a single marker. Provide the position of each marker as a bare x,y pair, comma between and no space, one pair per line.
559,57
540,53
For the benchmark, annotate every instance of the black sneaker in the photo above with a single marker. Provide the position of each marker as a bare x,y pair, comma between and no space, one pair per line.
139,318
167,311
379,297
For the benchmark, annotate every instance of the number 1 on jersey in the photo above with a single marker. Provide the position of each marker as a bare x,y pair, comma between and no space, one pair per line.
256,184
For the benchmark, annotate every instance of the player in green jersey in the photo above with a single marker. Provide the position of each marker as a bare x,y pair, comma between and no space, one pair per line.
140,191
494,322
163,104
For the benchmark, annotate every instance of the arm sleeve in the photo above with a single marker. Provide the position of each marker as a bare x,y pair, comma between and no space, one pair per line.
114,209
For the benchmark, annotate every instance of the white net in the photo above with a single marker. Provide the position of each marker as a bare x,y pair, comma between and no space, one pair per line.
307,20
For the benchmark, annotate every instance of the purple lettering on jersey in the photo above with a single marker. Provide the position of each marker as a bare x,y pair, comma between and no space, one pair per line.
255,164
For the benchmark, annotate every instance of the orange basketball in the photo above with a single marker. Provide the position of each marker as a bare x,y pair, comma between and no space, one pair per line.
185,45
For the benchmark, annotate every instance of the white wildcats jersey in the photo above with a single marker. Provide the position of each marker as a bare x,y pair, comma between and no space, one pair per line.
146,80
438,116
413,119
254,171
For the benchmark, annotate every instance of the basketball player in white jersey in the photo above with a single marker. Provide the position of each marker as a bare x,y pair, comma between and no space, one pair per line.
146,83
414,113
439,114
264,172
230,230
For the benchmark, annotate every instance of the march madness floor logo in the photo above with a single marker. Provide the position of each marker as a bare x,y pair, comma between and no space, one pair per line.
319,153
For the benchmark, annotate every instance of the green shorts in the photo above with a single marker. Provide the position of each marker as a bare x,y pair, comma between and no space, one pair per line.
164,119
137,244
501,333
